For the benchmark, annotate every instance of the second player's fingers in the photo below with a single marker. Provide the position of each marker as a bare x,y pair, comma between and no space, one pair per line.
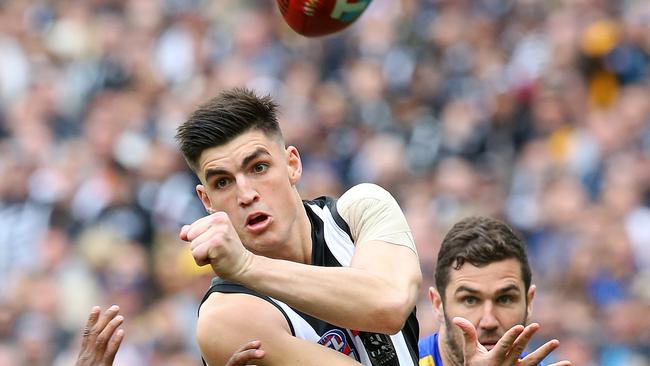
92,320
519,345
470,337
504,345
250,345
242,358
539,354
561,363
107,333
104,318
113,346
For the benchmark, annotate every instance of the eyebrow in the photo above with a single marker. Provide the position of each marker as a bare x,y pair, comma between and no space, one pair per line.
211,172
467,289
254,156
508,288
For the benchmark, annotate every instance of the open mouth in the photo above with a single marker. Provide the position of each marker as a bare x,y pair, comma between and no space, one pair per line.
257,222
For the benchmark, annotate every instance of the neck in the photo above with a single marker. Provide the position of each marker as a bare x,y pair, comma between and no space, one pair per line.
304,244
299,245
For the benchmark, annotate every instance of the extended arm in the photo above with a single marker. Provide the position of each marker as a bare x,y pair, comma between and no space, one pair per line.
376,293
381,282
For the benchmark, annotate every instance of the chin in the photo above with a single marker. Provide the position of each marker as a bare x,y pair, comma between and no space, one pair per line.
263,246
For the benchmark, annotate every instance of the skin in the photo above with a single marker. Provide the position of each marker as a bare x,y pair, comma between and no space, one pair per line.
480,304
254,175
101,337
483,316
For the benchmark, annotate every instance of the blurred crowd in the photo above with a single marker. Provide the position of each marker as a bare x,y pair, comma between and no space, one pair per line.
533,111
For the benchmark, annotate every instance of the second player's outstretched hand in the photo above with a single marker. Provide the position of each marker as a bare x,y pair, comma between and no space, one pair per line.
507,350
248,352
101,337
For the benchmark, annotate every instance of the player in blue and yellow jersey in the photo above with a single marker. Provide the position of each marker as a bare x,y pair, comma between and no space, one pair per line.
483,297
429,351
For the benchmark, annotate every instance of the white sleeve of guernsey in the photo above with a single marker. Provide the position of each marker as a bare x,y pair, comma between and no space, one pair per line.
372,213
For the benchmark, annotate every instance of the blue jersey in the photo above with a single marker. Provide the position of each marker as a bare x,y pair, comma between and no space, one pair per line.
429,351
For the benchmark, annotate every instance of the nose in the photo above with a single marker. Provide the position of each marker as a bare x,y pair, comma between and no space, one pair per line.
246,193
488,320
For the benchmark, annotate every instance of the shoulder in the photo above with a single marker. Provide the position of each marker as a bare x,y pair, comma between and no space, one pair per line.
224,324
364,191
364,196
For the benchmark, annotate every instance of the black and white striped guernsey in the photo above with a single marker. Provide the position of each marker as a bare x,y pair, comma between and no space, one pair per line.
333,247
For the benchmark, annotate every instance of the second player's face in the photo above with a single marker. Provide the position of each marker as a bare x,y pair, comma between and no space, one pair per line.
252,178
492,297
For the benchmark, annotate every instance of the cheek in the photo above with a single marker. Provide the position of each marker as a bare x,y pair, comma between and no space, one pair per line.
511,317
471,314
227,203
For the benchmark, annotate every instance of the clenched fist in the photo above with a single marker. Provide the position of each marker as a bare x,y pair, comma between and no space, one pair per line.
213,240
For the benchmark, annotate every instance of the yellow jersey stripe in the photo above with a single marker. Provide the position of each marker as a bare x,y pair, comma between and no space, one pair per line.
427,361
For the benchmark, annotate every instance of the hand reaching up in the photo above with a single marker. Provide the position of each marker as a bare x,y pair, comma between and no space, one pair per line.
507,350
101,337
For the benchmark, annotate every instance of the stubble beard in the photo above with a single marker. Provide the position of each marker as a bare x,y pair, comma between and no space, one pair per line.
454,348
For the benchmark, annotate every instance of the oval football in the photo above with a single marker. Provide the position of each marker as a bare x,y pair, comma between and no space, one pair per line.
315,18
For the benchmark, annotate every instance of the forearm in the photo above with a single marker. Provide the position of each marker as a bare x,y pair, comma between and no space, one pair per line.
344,296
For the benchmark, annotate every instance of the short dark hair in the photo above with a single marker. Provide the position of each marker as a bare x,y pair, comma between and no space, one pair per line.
479,241
225,117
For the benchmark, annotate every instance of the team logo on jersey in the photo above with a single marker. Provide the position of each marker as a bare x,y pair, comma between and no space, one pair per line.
336,340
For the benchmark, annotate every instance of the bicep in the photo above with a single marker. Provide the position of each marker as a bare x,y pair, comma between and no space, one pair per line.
223,329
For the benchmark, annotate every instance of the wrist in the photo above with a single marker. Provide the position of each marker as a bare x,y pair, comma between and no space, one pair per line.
247,267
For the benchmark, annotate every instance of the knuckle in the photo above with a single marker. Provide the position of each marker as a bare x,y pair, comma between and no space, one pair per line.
197,256
101,340
215,241
217,217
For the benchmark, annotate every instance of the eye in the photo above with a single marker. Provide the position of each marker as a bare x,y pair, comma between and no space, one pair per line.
470,300
505,300
221,183
260,167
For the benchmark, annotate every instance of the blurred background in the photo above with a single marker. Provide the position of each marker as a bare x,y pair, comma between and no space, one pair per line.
533,111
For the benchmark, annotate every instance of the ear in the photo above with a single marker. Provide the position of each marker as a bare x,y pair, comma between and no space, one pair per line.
203,196
436,301
529,296
294,165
